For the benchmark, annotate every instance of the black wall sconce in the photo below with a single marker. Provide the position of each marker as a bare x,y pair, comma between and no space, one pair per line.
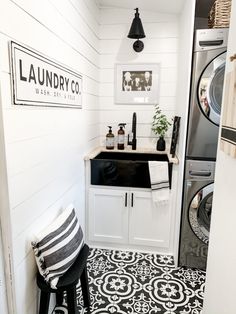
136,32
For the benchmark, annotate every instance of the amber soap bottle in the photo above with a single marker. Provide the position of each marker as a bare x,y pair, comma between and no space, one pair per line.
110,139
121,136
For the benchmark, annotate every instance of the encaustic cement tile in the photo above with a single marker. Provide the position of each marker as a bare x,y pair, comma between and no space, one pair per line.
138,283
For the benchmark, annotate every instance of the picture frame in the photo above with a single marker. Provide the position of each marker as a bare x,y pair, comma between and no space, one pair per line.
39,80
137,83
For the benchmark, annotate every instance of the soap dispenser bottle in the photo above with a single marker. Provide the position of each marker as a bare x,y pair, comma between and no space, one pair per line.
110,138
121,136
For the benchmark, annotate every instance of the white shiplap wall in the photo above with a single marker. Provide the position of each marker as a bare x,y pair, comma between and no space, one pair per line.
45,146
161,46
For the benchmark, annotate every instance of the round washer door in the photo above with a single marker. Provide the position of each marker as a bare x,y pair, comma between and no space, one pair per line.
200,212
210,88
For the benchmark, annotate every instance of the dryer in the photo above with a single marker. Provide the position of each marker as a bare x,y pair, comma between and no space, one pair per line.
196,213
206,93
202,137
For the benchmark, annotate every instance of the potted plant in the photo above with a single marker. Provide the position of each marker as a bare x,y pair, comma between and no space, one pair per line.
160,126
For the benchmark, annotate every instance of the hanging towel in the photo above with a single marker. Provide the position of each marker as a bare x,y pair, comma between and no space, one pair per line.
159,177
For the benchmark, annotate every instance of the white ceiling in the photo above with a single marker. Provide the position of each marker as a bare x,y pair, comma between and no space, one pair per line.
163,6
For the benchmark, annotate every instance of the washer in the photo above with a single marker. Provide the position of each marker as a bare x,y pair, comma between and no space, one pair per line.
196,213
206,93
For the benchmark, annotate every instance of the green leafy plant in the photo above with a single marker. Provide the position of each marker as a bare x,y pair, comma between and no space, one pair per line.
160,123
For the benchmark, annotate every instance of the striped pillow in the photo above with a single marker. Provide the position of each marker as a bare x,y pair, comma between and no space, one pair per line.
57,247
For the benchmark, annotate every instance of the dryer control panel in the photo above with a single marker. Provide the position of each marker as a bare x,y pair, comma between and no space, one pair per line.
199,170
207,39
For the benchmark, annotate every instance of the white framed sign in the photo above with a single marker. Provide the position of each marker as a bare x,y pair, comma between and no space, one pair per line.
137,83
40,81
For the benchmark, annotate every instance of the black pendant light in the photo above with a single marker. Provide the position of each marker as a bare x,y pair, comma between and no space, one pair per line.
136,32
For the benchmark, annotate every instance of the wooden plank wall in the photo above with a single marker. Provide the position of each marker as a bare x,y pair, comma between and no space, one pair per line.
45,146
161,45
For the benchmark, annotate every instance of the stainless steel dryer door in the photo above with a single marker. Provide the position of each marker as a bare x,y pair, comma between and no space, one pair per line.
210,88
199,212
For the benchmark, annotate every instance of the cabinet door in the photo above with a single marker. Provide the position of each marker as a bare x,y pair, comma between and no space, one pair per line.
108,215
149,224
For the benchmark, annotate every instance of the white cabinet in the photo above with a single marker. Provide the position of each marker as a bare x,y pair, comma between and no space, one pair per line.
127,216
108,215
148,224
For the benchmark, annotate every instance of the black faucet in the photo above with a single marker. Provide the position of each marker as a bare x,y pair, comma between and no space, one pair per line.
133,142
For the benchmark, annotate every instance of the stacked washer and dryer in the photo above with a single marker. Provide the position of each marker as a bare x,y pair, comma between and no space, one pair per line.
202,137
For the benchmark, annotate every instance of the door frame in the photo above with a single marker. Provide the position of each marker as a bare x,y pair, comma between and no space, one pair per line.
5,220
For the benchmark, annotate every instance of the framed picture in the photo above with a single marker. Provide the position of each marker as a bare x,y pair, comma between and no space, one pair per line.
137,83
37,80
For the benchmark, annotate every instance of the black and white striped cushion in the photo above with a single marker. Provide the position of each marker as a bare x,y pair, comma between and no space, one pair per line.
57,247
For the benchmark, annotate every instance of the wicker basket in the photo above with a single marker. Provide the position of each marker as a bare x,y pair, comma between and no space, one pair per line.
219,15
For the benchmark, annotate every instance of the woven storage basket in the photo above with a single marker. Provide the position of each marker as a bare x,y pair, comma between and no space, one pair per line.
219,15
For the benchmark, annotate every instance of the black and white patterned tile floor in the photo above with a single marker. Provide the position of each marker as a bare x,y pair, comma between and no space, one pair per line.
140,283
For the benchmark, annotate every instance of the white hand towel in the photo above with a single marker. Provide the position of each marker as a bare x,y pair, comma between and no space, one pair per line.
159,177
